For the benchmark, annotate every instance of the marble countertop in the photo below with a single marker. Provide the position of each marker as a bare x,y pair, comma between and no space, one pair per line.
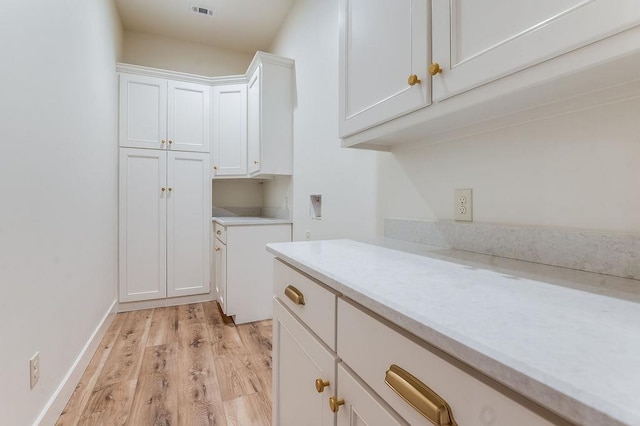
566,339
239,221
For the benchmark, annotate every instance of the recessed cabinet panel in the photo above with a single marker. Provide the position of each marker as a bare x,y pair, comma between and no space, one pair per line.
188,218
382,44
299,359
253,121
142,224
230,130
188,124
475,45
143,111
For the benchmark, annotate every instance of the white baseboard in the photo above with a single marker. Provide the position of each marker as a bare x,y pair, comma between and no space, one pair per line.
162,303
60,397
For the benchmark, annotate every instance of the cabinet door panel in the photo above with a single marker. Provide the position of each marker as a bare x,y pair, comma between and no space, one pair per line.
298,360
188,109
143,111
188,223
474,44
361,406
230,130
253,121
142,224
382,43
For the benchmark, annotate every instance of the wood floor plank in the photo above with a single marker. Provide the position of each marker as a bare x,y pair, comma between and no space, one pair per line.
199,389
109,405
256,338
212,314
124,360
156,397
236,376
249,410
164,326
226,341
192,312
78,401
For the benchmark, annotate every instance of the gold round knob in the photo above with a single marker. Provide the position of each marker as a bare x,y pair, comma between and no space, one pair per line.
335,403
320,385
164,189
434,69
170,141
215,168
170,189
162,141
413,80
217,248
256,162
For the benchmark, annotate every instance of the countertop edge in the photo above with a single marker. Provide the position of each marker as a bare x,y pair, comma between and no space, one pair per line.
544,395
248,222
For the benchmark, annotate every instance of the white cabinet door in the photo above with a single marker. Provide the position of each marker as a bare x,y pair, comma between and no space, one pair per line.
361,406
188,223
253,121
143,112
220,264
298,360
478,42
142,224
382,44
188,123
230,130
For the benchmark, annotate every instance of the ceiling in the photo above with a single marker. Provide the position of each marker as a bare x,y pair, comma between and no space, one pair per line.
241,25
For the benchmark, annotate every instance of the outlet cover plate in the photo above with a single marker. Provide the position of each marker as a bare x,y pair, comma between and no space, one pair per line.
463,205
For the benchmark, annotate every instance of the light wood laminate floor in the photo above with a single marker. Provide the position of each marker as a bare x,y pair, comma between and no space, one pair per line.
179,365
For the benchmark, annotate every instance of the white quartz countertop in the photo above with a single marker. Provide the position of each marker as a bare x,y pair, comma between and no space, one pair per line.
566,339
239,221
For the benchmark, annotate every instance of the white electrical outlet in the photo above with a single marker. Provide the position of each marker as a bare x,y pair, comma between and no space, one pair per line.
307,235
34,369
463,209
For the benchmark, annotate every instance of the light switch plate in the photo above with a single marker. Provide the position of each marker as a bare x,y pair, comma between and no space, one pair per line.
463,206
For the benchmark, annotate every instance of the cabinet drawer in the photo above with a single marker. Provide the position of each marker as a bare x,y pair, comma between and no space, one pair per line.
370,347
220,232
317,309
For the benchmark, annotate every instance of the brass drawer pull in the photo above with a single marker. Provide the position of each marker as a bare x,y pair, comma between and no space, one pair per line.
335,403
294,294
419,396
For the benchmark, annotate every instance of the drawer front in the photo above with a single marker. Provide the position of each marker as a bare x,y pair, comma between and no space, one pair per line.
220,232
317,305
370,348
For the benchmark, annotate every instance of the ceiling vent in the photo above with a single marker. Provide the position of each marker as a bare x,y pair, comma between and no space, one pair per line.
203,11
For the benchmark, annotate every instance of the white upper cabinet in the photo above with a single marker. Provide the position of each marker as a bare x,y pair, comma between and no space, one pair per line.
478,42
229,131
270,116
384,53
143,111
188,223
188,120
162,114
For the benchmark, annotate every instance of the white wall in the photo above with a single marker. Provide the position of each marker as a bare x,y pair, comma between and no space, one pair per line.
176,55
58,190
237,193
344,177
576,171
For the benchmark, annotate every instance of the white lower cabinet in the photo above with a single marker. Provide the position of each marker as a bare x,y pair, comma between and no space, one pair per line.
300,360
244,269
384,376
164,224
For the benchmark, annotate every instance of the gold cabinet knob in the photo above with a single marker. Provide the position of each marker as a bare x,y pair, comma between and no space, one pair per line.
170,141
434,69
256,162
335,403
320,385
170,189
217,248
413,80
162,141
215,168
163,189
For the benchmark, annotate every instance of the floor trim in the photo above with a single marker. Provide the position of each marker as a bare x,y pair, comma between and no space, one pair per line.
60,397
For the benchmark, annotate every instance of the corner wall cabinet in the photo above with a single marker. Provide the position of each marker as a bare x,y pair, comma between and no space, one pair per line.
495,63
317,331
164,224
229,131
157,113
